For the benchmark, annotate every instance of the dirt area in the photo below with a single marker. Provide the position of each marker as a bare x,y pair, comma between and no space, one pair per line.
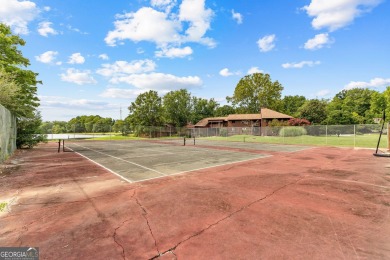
320,203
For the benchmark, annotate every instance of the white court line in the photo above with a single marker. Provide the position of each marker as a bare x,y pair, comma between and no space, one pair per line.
148,149
136,164
250,146
203,168
357,182
104,167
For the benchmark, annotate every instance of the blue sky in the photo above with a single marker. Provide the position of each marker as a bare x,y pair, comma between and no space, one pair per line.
95,57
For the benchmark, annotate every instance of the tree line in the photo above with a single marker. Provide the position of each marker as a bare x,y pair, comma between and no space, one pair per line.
179,108
18,93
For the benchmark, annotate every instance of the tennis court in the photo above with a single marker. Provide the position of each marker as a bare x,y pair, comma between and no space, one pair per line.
137,161
214,200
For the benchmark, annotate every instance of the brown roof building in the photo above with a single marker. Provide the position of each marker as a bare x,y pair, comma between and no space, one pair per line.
243,120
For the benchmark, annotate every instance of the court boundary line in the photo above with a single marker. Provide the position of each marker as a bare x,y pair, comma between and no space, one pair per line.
350,181
203,168
118,158
104,167
304,148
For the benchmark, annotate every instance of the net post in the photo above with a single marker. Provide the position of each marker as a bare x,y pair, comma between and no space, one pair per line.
59,145
63,145
184,141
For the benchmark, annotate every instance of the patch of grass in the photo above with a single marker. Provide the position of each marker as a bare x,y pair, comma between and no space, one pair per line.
3,206
366,141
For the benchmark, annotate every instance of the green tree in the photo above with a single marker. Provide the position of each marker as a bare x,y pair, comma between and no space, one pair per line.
12,63
386,94
121,126
378,103
340,117
224,110
254,92
28,131
24,100
313,110
290,105
202,108
9,90
146,110
177,107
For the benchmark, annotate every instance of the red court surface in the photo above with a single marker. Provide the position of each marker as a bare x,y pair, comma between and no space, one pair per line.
319,203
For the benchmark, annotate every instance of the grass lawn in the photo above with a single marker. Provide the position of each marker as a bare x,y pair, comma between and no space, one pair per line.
366,141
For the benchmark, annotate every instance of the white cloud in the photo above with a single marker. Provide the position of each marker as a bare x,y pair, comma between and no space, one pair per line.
323,93
337,14
166,5
63,102
44,29
164,28
71,28
159,81
373,83
318,42
266,43
174,52
47,57
122,93
146,24
76,58
78,77
46,8
254,70
65,108
18,14
226,73
104,56
300,65
194,12
123,68
237,17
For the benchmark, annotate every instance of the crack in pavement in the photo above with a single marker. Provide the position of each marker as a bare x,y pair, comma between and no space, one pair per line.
116,229
172,249
144,214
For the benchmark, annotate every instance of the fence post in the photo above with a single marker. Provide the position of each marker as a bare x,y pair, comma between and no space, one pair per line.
388,137
326,134
354,136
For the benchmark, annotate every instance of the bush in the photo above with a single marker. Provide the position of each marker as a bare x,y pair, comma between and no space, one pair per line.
292,131
223,132
298,122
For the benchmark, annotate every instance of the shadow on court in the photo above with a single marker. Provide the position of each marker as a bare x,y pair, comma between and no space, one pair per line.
318,203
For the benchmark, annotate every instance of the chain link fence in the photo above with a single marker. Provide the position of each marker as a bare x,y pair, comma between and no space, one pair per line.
334,135
7,133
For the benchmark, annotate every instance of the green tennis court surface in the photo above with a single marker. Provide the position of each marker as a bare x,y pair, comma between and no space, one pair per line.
143,160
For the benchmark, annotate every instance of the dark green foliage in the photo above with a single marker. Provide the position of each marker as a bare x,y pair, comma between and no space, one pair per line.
254,92
224,110
22,98
177,107
28,134
290,105
313,110
202,108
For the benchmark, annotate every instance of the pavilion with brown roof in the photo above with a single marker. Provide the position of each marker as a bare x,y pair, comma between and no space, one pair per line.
243,120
